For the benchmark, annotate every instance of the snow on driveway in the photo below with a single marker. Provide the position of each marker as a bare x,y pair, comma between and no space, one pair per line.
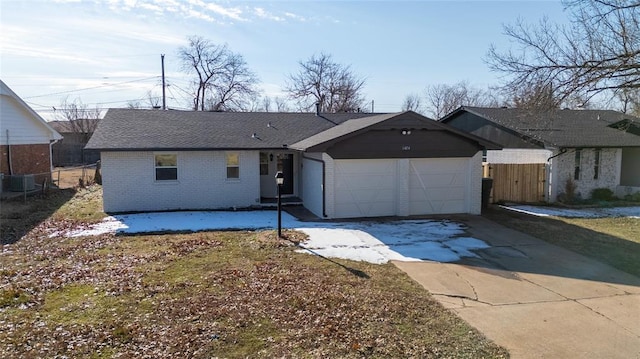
541,211
371,241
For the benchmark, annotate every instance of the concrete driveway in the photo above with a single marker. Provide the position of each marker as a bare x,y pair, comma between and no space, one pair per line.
536,299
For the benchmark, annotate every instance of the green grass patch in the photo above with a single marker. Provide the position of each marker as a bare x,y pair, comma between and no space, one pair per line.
86,206
13,297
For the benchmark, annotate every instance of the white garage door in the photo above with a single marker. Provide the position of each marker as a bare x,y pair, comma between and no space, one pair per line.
365,188
438,185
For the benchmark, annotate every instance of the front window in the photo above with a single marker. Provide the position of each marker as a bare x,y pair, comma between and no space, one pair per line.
264,163
233,165
166,167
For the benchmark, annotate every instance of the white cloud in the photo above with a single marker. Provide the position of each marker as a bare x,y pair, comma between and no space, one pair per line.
295,17
199,15
230,12
262,13
155,8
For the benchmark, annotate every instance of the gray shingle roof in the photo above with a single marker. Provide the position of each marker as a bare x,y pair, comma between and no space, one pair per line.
341,130
129,129
355,125
563,128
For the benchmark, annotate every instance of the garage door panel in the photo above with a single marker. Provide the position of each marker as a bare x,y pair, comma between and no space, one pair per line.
444,194
437,186
443,180
368,188
365,188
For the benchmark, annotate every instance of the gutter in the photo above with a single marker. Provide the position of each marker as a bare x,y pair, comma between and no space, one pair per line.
562,152
324,201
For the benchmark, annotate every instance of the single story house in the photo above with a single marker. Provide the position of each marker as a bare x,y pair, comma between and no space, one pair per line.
341,165
75,135
592,148
25,143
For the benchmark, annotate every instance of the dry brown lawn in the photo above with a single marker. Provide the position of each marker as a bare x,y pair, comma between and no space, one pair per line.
209,294
70,177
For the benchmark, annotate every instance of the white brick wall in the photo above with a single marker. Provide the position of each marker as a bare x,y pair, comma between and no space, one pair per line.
563,167
312,185
129,182
474,185
329,176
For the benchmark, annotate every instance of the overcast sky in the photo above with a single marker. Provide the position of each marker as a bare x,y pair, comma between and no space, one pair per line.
108,52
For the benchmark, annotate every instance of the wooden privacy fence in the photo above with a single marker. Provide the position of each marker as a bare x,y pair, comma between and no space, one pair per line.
516,182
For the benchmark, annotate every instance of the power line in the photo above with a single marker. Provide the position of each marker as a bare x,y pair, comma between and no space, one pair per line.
94,87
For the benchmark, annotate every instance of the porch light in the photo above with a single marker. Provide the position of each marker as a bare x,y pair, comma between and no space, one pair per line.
279,182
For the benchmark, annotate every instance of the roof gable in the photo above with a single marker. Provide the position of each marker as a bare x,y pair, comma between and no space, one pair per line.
14,112
405,122
558,128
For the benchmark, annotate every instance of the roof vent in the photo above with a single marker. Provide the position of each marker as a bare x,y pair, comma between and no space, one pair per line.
269,124
255,135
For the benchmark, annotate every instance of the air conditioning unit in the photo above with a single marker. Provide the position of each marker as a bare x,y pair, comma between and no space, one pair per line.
21,183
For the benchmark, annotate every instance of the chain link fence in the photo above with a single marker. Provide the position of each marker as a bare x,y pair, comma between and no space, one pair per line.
24,185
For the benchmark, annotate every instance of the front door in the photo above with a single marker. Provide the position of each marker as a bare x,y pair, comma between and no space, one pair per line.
285,164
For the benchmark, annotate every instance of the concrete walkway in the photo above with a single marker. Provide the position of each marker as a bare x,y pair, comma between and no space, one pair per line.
536,299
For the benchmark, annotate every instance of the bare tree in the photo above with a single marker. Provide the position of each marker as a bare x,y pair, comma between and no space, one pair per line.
598,53
539,96
79,117
153,100
266,103
443,99
321,80
224,81
281,104
412,102
629,101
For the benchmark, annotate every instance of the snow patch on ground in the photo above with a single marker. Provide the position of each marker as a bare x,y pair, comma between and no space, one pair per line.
370,241
541,211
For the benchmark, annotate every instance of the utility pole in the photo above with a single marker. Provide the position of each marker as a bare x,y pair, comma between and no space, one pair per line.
164,97
372,107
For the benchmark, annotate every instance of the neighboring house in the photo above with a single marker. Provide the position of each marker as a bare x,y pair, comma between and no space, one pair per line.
25,140
592,148
75,136
338,165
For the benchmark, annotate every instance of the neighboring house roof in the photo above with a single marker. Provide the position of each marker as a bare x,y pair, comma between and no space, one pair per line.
133,129
563,128
75,126
5,91
354,126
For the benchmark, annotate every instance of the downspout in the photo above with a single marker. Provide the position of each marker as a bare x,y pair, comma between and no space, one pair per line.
9,155
324,213
51,143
